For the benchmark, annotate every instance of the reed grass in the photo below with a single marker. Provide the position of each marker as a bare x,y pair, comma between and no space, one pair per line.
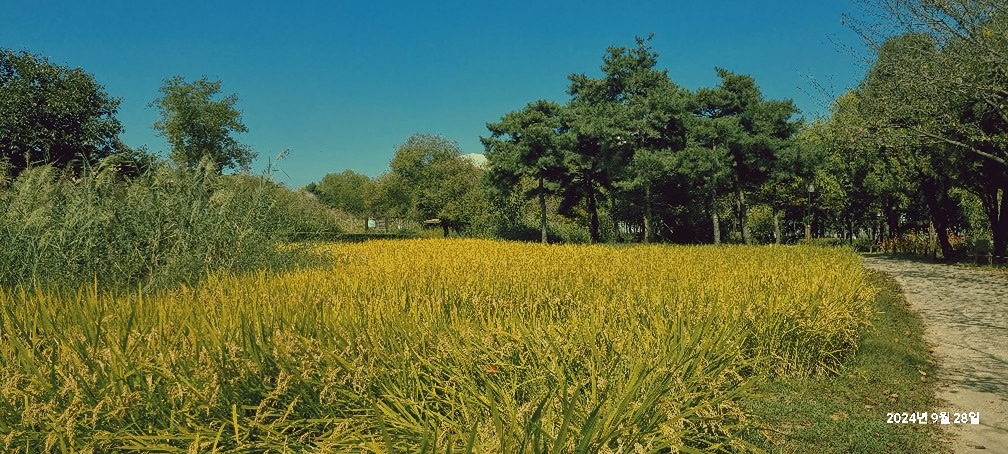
157,229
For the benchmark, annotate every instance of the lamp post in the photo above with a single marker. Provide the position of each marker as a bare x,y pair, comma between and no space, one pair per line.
808,214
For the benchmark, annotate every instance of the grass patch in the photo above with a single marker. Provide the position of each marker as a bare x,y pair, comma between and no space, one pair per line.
892,372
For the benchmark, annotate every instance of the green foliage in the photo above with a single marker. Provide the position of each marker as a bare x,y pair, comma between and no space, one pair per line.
529,144
636,152
53,115
829,242
429,179
347,191
634,106
292,215
165,226
197,126
928,120
846,413
755,134
948,59
371,236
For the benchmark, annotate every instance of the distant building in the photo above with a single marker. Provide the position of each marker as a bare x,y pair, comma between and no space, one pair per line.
477,159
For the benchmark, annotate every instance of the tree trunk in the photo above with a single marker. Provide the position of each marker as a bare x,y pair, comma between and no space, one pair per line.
943,242
593,212
716,221
942,230
932,246
444,228
542,209
776,225
999,228
936,197
879,223
647,213
892,223
617,233
742,215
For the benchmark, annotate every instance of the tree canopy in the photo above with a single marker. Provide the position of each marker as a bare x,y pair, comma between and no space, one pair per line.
198,126
634,147
917,145
51,114
933,108
347,191
431,180
529,144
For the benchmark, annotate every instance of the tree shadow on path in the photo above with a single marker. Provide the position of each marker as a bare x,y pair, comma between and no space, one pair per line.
965,312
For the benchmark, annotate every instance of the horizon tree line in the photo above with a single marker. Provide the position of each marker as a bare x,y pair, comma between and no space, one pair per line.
631,155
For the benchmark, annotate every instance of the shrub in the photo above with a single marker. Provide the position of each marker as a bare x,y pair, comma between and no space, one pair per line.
829,242
864,244
293,215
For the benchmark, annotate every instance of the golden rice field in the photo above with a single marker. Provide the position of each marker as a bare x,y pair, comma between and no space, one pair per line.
431,345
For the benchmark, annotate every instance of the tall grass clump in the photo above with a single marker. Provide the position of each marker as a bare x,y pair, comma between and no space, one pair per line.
432,346
165,225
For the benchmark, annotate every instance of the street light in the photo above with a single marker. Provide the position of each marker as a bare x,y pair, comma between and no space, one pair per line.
808,214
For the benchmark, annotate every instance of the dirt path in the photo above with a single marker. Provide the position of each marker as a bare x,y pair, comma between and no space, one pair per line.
965,312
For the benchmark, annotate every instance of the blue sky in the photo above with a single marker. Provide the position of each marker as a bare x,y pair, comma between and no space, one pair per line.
341,84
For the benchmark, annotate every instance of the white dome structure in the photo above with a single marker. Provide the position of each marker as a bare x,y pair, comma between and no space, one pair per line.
477,159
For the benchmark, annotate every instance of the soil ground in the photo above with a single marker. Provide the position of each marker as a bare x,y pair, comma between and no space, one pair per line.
965,313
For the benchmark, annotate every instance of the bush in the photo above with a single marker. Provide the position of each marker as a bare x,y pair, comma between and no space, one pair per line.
829,242
167,225
864,244
294,216
362,237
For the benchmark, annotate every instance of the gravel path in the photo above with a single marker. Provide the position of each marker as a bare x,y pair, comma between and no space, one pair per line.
965,313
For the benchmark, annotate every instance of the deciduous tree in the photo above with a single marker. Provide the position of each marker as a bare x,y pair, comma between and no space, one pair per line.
345,191
198,125
437,182
51,114
952,57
